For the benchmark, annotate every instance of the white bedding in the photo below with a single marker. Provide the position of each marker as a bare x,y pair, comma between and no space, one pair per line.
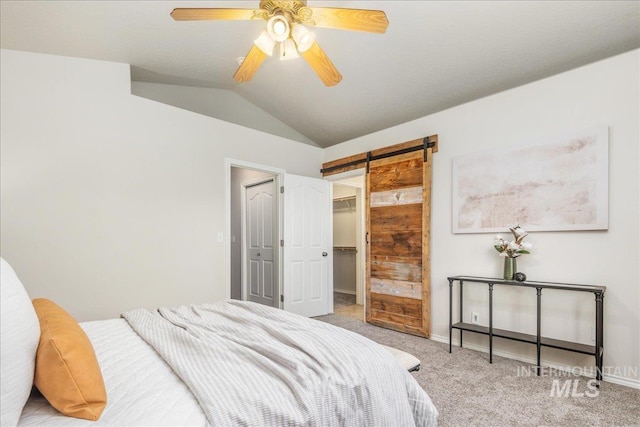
248,364
142,390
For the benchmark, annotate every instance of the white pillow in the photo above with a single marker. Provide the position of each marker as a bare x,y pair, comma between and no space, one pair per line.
406,360
20,334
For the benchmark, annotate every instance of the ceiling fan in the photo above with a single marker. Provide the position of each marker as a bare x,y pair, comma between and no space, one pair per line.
286,22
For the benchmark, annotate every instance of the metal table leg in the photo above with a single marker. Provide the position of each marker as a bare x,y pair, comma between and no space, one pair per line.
490,322
599,336
538,328
461,299
450,312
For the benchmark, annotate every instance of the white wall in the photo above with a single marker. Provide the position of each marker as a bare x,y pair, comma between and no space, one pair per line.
603,93
344,216
218,103
344,225
111,201
340,190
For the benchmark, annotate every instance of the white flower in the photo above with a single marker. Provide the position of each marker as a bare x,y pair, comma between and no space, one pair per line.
518,233
514,248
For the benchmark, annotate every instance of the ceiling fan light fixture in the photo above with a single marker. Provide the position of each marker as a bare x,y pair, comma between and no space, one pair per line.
304,38
278,28
265,43
284,21
288,50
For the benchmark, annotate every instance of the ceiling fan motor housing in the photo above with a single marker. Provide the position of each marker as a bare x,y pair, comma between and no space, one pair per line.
293,11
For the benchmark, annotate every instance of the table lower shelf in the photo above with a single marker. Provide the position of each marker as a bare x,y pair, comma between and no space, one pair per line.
532,339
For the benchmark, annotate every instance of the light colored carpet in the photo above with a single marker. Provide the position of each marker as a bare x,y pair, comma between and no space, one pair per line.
345,305
467,390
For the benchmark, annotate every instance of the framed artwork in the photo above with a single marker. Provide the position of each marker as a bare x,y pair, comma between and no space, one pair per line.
560,184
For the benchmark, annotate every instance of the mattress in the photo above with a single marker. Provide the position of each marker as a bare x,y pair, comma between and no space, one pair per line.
142,390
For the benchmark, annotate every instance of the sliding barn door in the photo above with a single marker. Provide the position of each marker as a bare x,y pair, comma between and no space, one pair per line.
398,221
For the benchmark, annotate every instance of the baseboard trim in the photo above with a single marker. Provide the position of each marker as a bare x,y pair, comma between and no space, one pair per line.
344,291
615,379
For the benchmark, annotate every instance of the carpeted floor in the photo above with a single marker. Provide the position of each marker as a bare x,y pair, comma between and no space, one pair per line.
345,305
467,390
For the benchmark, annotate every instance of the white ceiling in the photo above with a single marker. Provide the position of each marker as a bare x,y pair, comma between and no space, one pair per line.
434,55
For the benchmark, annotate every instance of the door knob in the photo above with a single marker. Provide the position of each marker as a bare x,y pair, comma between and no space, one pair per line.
324,254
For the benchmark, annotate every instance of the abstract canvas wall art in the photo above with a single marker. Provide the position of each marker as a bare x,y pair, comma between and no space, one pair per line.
558,184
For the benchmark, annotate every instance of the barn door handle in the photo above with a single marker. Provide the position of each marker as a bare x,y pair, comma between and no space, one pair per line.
258,254
324,254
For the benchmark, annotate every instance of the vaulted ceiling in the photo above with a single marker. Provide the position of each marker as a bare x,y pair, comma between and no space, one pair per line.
434,55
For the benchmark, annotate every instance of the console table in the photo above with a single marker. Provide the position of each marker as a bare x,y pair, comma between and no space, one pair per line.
596,350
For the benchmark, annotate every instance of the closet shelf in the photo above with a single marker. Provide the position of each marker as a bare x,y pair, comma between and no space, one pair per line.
345,248
344,203
344,199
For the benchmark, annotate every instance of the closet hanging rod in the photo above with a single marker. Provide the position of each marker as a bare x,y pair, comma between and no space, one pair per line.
344,199
345,248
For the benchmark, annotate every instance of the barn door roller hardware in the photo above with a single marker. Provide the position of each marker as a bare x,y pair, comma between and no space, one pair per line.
364,159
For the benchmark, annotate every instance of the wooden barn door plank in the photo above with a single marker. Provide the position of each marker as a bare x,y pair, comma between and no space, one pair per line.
398,219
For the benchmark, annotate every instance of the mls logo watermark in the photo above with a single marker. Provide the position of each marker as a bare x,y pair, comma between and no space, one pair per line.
576,381
573,388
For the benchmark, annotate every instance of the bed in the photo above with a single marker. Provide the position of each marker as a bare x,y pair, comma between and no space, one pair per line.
226,363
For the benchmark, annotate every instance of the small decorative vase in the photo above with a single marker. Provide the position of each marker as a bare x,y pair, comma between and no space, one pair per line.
510,268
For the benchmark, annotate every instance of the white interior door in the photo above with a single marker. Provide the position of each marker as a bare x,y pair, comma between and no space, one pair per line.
261,243
308,246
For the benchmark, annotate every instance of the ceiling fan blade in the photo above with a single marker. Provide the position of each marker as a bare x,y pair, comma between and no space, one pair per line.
374,21
250,65
322,65
204,14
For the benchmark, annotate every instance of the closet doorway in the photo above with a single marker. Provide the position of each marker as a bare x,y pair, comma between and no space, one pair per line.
299,277
254,257
348,244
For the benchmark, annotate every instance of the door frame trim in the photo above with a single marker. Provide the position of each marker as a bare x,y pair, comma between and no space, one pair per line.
278,175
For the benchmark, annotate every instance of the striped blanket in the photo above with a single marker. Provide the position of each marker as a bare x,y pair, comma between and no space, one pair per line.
248,364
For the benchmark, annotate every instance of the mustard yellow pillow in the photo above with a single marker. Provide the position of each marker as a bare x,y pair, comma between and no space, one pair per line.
67,371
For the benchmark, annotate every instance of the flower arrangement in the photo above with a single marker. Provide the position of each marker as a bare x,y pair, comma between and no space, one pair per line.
514,248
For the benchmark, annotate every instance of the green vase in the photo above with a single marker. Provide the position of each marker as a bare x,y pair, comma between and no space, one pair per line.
510,268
